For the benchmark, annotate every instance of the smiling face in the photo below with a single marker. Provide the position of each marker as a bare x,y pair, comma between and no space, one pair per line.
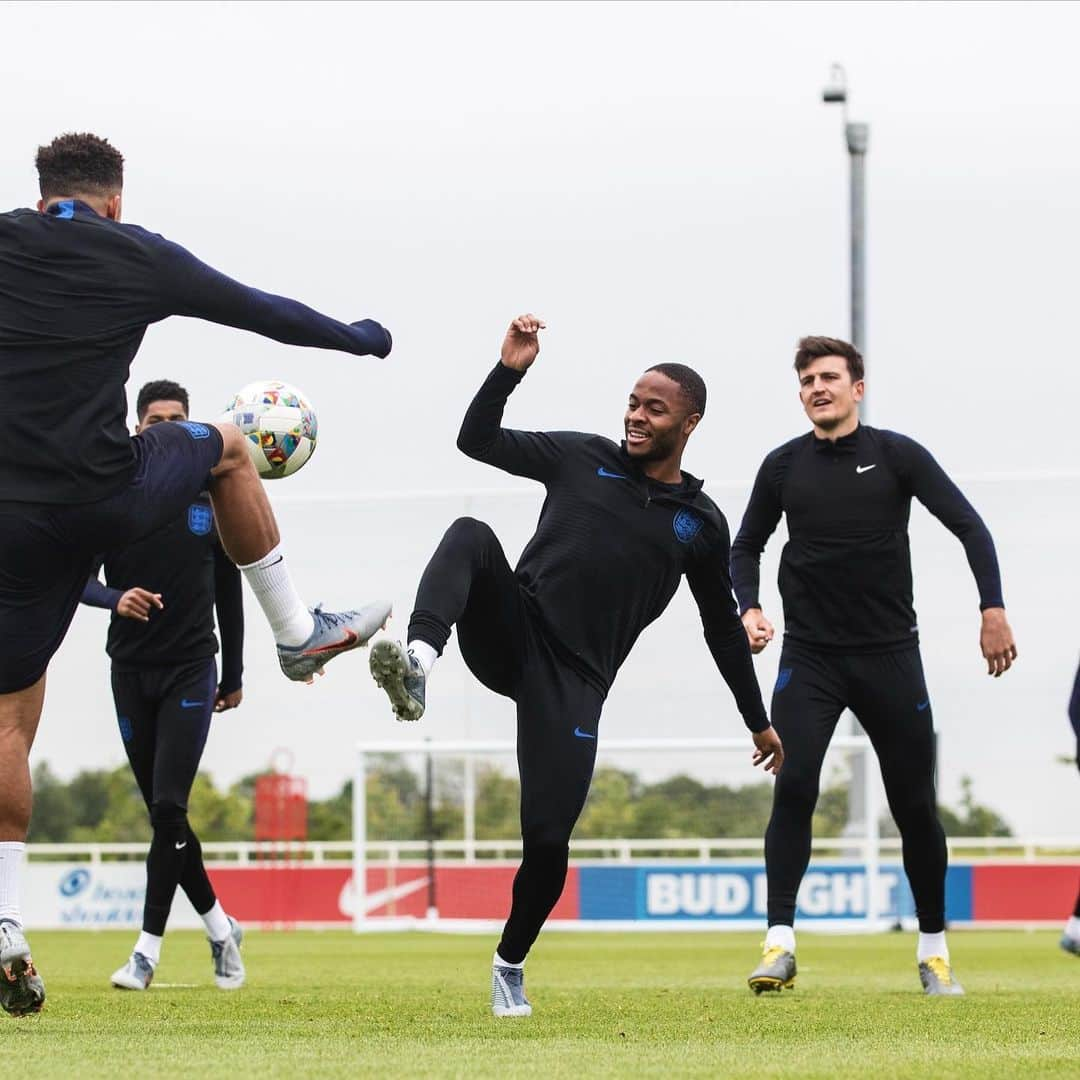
829,396
658,419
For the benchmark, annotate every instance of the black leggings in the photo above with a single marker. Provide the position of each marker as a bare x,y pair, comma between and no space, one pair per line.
164,717
887,692
469,583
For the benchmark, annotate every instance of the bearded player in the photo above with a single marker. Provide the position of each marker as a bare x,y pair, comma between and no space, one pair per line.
620,526
78,289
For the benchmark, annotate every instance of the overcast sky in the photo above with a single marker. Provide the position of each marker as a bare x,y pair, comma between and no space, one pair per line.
661,182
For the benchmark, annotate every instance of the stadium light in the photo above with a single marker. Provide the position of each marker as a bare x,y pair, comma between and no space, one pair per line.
857,137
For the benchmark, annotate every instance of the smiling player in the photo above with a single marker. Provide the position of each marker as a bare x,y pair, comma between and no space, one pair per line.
851,639
619,528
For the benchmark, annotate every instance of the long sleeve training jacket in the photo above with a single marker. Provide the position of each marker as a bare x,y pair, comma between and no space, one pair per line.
611,546
77,292
845,572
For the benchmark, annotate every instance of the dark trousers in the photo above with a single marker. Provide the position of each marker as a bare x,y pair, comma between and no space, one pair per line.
164,717
887,692
469,583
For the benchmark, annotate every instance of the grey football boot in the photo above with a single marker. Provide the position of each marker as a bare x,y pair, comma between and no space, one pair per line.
776,971
229,971
1070,944
21,990
335,632
508,991
401,675
935,974
136,974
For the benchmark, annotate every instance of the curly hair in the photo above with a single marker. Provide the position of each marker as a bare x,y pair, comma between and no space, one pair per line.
159,390
79,164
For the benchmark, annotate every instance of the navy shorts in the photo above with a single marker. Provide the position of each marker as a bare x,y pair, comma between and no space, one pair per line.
48,549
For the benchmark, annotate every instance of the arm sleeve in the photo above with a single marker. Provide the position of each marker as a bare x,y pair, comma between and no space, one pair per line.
758,524
229,601
534,454
710,583
187,286
930,484
95,594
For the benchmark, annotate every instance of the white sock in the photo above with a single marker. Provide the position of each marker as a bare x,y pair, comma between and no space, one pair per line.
932,945
1072,927
269,579
216,923
425,653
12,853
150,946
500,962
782,937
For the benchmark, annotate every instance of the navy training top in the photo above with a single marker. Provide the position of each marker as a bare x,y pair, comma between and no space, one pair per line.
77,292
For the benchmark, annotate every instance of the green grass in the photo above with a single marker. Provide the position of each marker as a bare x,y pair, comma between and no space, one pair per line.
332,1004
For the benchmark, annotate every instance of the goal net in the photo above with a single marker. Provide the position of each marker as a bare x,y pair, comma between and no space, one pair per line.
670,837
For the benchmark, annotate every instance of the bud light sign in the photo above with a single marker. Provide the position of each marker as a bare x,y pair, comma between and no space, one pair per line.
738,893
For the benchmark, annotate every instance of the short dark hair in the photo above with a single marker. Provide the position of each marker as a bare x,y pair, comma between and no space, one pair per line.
690,383
815,347
159,390
78,164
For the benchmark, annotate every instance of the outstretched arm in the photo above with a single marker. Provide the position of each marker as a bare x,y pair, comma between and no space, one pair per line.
931,485
758,524
710,583
534,454
229,601
187,286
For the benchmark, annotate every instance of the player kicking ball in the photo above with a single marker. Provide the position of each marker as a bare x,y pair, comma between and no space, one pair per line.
162,591
851,639
620,527
79,289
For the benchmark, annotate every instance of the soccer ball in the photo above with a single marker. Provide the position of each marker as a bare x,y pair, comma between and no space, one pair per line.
280,426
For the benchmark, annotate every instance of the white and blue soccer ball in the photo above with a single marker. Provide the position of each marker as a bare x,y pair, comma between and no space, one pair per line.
280,424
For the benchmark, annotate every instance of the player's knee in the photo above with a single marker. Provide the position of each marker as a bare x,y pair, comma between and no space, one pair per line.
469,533
170,819
548,840
796,792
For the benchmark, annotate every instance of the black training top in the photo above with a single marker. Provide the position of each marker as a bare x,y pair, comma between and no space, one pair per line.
77,292
185,563
845,572
611,546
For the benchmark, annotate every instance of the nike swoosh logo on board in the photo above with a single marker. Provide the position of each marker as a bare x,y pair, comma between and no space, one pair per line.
864,468
346,642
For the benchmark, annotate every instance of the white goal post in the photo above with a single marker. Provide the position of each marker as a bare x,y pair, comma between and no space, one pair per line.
679,883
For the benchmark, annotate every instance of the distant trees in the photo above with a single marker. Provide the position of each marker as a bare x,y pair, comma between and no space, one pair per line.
105,805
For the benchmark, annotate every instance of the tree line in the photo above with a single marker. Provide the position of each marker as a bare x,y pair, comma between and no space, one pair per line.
98,806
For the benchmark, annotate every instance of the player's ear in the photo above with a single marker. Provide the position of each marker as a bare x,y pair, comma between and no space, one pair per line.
858,389
691,422
41,206
112,207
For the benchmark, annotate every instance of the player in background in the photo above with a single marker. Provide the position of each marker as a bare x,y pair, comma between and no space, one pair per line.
851,639
619,528
1070,940
77,291
162,591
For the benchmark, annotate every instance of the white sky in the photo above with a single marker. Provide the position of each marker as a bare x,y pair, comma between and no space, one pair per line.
661,182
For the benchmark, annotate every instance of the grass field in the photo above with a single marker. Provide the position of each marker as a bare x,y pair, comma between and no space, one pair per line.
333,1004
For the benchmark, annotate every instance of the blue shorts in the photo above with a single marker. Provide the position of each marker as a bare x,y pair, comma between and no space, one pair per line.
48,549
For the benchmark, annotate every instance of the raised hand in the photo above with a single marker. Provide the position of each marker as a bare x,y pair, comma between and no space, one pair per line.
521,343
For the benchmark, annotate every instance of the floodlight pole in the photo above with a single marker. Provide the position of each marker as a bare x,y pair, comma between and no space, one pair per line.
857,137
